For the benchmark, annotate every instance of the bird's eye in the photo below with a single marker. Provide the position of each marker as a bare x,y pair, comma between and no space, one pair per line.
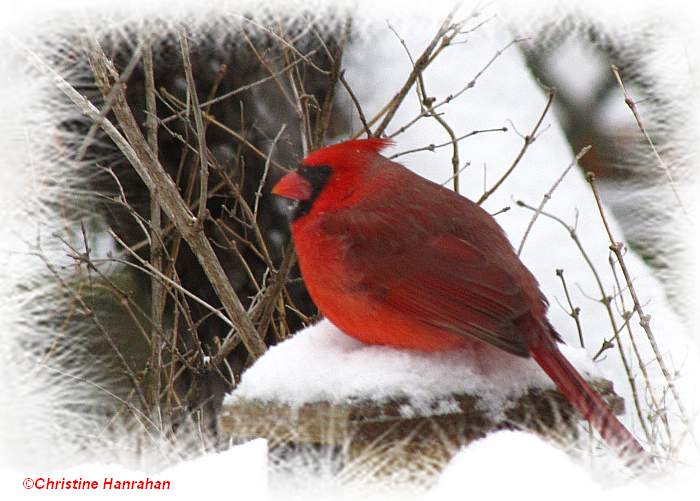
316,176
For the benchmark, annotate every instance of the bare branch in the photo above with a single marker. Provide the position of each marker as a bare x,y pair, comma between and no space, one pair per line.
433,147
527,141
157,291
239,90
644,319
574,312
199,125
258,193
109,100
605,300
210,118
136,150
358,107
421,63
451,97
633,107
548,195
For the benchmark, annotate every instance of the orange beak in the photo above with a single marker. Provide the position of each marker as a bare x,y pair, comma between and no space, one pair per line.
294,187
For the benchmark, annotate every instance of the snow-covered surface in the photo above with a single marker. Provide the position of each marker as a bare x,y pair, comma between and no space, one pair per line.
517,465
321,363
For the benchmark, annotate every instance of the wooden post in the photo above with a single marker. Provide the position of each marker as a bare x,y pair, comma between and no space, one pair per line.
404,436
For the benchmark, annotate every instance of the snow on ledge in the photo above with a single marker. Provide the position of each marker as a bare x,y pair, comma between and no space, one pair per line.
321,363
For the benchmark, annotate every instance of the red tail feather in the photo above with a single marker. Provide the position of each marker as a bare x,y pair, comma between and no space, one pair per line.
589,403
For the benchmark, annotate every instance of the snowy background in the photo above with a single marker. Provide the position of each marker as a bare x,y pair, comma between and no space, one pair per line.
33,398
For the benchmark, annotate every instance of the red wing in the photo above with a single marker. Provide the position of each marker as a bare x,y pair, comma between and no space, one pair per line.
449,284
452,269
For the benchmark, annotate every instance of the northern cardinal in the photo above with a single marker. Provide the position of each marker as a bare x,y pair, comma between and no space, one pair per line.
394,259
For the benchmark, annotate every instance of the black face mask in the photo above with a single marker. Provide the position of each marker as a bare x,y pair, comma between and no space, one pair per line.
317,178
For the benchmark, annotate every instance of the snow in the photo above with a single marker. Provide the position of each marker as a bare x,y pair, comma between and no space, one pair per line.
242,470
509,464
321,363
504,465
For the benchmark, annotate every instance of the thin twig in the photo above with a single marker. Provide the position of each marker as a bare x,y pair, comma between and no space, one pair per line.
627,315
574,311
644,319
258,193
358,107
199,125
301,104
109,99
136,384
157,291
323,120
426,104
527,141
633,107
268,67
210,118
238,90
421,63
605,300
433,147
147,268
471,84
473,81
286,43
136,150
547,196
454,174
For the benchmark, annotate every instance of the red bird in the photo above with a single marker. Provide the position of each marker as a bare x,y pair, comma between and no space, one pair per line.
394,259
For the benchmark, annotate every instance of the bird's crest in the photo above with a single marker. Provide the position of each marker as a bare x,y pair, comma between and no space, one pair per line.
335,153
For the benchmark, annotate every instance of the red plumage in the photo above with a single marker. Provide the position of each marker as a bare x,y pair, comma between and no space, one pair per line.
394,259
